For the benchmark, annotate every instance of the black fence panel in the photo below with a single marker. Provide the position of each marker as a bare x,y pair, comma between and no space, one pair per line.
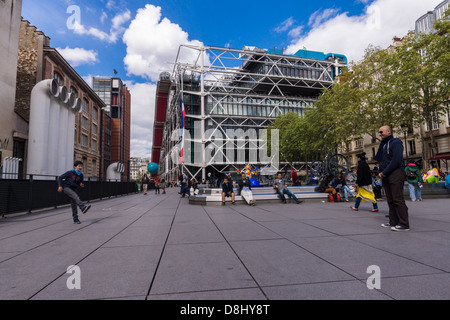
33,194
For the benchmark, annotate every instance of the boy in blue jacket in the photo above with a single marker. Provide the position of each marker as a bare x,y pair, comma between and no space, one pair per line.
68,183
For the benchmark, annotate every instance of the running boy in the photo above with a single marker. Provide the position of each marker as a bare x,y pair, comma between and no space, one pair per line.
68,183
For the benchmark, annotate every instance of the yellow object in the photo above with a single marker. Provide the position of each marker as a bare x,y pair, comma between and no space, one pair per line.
366,194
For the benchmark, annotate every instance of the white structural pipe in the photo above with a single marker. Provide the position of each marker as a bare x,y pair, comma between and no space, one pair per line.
10,169
114,171
51,131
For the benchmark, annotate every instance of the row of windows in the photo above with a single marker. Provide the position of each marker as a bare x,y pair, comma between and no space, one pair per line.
85,140
296,72
256,107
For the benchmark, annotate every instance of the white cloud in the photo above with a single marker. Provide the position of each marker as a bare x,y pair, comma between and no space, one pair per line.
116,29
320,16
78,56
152,44
351,35
285,25
142,115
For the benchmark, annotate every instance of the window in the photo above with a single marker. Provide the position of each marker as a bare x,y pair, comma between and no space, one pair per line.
94,168
85,105
84,122
59,78
84,140
412,147
448,115
434,124
94,129
94,145
95,114
74,91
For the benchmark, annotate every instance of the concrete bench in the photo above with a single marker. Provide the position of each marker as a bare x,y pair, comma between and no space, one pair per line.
213,196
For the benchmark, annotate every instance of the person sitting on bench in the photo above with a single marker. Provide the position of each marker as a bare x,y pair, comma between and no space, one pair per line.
227,191
245,190
281,189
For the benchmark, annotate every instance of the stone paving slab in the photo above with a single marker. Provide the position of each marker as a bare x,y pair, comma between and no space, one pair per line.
159,247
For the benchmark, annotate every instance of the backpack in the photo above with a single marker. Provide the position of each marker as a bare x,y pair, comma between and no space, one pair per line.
334,197
411,175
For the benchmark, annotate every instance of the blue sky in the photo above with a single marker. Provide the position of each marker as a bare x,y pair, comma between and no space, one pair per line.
140,38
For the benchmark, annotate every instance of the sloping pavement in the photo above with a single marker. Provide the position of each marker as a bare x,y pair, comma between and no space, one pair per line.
158,247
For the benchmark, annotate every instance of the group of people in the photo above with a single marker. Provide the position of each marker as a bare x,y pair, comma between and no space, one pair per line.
245,190
155,183
187,186
391,172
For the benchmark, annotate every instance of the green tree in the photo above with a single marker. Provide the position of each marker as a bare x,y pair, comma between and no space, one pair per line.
420,76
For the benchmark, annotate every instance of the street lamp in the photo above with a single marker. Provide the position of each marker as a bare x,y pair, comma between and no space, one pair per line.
405,128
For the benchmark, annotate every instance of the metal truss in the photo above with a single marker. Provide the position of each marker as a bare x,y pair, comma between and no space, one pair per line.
225,90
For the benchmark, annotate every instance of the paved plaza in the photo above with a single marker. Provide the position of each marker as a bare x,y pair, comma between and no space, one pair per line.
158,247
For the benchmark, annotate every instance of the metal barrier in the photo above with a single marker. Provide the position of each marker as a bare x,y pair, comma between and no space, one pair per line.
40,192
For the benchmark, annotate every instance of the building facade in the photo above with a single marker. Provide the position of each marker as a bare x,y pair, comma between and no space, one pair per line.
138,166
38,61
12,131
117,99
225,100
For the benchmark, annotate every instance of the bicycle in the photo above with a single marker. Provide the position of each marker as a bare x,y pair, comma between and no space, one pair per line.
333,165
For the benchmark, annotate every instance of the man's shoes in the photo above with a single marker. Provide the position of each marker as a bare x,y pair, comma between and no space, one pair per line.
354,209
299,201
223,203
284,201
386,225
85,208
374,210
399,228
233,203
76,221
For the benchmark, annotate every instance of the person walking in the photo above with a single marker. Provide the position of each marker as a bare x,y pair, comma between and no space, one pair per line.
157,184
281,189
145,181
392,173
69,183
364,184
184,181
163,185
414,178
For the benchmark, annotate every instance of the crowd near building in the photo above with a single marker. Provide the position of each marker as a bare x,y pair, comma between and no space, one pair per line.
102,125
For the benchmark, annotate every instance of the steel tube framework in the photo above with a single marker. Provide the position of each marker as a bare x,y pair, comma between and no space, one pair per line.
226,90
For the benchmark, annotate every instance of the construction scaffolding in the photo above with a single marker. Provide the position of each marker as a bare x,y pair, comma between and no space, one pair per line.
229,97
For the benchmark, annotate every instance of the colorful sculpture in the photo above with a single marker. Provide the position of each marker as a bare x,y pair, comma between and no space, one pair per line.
432,176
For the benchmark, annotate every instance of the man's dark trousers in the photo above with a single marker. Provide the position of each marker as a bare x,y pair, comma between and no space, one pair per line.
393,187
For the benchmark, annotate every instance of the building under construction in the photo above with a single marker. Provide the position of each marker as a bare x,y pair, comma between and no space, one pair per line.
224,98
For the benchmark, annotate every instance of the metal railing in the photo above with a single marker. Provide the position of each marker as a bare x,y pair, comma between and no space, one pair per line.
39,192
